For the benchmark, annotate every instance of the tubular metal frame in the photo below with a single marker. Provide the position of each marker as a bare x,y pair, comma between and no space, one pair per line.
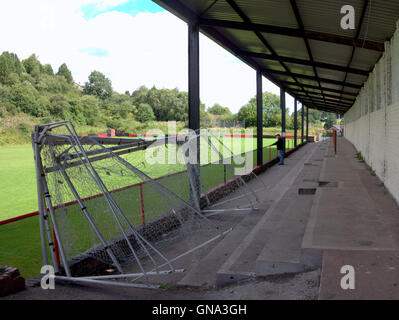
41,137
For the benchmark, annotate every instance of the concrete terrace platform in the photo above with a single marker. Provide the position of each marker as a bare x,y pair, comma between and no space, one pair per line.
315,214
357,224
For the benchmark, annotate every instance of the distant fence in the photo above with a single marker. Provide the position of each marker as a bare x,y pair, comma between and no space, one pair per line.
117,133
220,179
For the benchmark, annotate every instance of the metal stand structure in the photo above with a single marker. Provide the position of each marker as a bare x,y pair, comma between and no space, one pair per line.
69,153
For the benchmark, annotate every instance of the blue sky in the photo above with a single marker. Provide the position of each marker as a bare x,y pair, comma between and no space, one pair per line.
133,42
131,7
96,52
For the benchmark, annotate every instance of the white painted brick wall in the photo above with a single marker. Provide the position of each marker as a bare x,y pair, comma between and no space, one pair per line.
392,150
377,138
372,125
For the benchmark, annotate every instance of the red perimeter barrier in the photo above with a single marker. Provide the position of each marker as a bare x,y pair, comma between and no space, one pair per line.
140,184
25,216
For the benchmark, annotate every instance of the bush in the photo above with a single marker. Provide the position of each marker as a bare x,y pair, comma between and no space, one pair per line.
144,113
114,124
24,128
24,97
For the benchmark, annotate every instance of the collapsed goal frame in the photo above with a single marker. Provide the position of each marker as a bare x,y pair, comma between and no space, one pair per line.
75,155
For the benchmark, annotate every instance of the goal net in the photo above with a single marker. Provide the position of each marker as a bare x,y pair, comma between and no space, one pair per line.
130,207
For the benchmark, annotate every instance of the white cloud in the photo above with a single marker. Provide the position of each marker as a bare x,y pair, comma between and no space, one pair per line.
146,49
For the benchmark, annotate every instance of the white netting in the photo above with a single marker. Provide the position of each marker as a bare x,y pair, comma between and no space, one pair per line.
127,202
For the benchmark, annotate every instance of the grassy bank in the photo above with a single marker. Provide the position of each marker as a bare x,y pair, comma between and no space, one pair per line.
17,129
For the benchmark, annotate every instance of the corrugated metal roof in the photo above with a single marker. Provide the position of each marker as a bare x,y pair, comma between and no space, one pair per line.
380,20
322,52
283,45
277,12
324,16
234,25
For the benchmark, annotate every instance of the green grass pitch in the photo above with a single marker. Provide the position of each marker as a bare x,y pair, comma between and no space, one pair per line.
20,241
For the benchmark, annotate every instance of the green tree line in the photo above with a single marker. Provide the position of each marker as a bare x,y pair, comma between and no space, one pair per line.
35,89
272,114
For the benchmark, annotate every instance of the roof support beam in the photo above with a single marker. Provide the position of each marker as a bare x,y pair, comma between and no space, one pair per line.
229,46
316,96
322,107
292,32
316,93
316,88
242,15
359,28
325,80
305,39
181,10
331,103
320,100
304,62
329,110
334,107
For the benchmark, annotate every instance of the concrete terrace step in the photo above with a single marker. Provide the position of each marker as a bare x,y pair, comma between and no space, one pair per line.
283,252
355,223
356,215
204,273
250,255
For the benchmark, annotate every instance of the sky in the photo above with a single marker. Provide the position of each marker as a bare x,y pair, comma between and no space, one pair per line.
133,42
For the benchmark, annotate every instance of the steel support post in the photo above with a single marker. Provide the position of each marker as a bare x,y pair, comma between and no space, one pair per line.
259,118
282,105
194,100
307,124
295,122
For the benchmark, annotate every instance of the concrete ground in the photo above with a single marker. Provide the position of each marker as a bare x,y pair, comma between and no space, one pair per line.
315,214
356,224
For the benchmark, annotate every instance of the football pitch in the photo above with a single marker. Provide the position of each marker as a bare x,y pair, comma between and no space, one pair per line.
20,240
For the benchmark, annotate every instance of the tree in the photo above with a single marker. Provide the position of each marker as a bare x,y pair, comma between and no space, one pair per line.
24,97
59,106
32,66
119,105
91,109
217,109
168,104
247,114
48,69
144,113
330,120
140,95
98,85
271,111
64,71
10,67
